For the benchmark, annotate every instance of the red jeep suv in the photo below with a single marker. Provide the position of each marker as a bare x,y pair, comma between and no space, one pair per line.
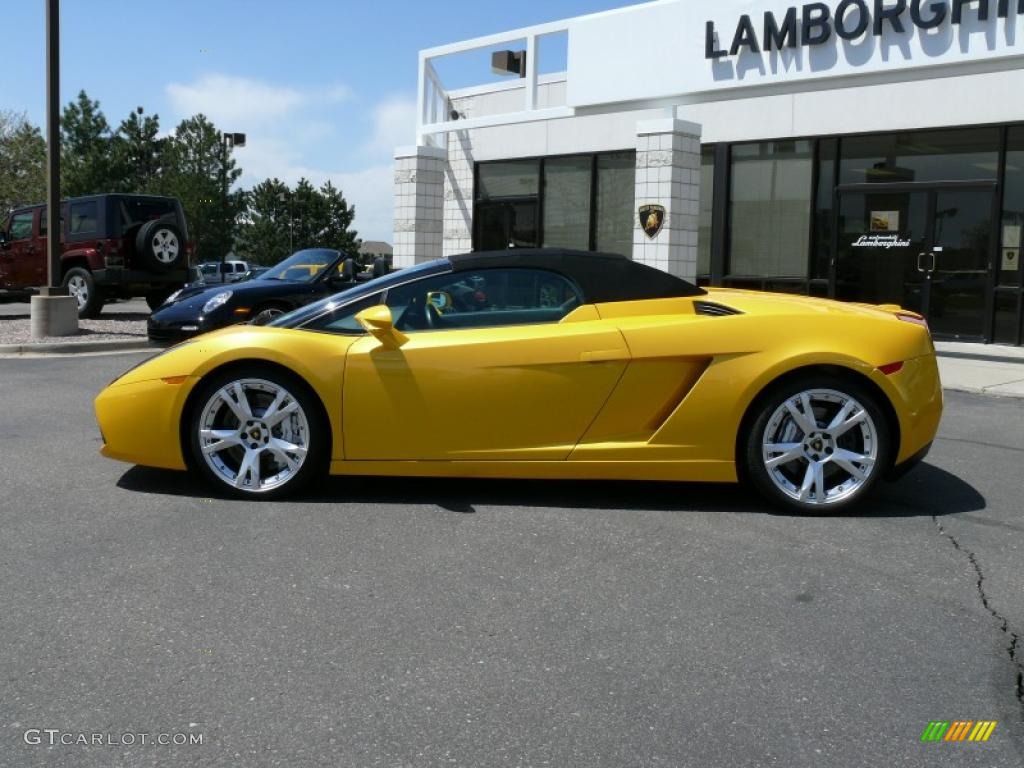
112,246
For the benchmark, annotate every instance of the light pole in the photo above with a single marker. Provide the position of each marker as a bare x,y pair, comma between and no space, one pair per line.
233,140
53,312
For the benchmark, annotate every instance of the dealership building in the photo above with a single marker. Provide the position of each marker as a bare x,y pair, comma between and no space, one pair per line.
866,150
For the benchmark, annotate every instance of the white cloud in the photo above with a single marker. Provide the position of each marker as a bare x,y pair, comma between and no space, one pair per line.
226,99
287,126
370,189
394,125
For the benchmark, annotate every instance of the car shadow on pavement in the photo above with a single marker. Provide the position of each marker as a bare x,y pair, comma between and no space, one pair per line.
925,491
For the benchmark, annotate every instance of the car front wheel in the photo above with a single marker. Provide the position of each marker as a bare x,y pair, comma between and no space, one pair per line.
817,445
258,433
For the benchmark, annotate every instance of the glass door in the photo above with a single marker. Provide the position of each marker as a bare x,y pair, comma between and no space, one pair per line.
926,249
506,224
957,268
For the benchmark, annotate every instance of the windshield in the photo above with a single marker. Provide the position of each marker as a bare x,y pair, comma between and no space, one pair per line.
300,316
302,267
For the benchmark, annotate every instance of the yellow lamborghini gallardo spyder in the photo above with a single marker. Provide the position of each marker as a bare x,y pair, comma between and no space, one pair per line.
542,364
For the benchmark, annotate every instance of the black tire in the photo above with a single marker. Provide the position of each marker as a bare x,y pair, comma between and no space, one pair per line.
317,440
156,299
265,313
785,484
160,245
81,285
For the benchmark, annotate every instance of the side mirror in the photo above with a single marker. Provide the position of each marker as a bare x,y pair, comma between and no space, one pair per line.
3,239
377,321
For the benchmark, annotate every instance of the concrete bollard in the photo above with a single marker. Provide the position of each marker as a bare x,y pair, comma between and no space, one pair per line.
53,316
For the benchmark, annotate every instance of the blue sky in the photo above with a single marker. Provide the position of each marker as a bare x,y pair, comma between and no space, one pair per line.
323,88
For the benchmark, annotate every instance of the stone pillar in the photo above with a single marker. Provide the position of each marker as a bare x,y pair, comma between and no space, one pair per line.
668,175
458,195
419,197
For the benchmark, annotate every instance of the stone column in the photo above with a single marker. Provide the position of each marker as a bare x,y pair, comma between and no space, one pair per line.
668,174
458,195
419,199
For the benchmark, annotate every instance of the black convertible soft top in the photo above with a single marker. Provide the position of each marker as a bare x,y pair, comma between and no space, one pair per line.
603,277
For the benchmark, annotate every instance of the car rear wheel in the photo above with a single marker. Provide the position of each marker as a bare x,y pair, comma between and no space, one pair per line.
81,286
161,245
817,445
258,433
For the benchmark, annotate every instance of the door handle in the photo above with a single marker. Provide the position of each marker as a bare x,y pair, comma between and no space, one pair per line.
926,263
603,355
920,262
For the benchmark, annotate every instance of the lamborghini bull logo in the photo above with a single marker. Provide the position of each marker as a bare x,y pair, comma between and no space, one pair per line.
652,218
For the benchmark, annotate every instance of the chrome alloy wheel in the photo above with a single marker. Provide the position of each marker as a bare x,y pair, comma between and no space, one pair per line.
254,435
820,447
165,246
78,288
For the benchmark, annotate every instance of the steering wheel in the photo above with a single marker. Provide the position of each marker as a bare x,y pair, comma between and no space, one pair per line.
431,316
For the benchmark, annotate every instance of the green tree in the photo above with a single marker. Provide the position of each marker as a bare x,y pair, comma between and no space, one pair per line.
137,156
86,145
338,218
263,236
23,160
196,167
279,221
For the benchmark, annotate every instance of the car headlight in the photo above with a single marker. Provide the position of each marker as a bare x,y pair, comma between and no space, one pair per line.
217,301
173,297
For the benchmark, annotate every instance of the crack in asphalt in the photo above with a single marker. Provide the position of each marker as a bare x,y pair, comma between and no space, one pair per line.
1004,625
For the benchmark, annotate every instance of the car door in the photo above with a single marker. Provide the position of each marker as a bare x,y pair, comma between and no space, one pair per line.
488,371
21,257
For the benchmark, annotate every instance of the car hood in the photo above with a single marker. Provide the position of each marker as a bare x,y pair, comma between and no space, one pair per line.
191,301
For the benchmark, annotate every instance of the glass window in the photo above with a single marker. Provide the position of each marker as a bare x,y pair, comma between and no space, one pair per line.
139,210
567,202
520,178
954,155
303,266
43,224
21,225
770,208
83,218
820,264
343,319
707,195
482,298
1012,236
1006,317
616,196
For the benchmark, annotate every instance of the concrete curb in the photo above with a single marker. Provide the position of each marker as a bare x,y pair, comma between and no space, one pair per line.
981,391
71,347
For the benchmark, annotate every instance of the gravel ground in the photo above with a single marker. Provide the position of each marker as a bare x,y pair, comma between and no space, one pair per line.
120,321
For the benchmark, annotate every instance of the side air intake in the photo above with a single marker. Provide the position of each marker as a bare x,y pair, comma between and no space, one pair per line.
711,309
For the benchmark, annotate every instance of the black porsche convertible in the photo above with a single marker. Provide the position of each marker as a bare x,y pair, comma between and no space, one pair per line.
302,278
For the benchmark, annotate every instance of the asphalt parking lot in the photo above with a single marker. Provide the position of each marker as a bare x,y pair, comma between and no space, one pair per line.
465,623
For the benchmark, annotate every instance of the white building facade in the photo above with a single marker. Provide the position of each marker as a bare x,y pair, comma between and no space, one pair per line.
866,150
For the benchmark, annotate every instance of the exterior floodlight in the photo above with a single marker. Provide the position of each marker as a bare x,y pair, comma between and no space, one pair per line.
509,63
